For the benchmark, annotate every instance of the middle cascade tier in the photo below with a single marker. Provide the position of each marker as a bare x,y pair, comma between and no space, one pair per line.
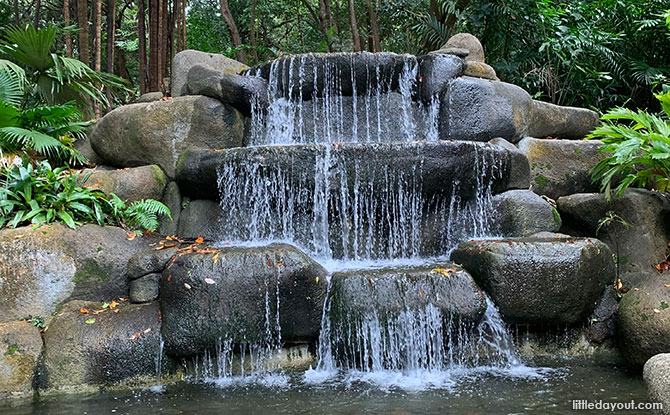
355,201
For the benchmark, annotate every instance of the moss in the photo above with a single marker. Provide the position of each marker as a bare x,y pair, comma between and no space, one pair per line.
90,270
159,176
557,216
548,166
58,309
11,349
541,181
578,150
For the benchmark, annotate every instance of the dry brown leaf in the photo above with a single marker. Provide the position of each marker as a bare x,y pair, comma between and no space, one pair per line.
147,330
188,287
134,336
83,310
131,235
199,240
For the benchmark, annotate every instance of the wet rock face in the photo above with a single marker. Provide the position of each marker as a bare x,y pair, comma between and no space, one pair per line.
523,213
644,320
561,167
639,232
112,348
20,349
540,280
40,268
158,132
232,294
657,378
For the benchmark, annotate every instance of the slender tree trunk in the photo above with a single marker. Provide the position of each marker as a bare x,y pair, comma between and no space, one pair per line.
329,15
142,46
234,32
252,31
111,34
17,20
38,6
372,13
154,50
121,66
82,22
68,35
184,44
355,37
176,31
97,49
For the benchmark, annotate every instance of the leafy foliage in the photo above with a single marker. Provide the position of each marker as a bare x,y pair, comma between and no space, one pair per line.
639,143
42,195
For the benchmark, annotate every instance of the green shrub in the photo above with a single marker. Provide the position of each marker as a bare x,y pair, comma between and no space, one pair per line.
639,147
41,195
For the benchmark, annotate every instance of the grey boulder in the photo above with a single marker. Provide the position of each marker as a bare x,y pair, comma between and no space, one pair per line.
523,213
656,376
568,123
20,350
131,184
186,59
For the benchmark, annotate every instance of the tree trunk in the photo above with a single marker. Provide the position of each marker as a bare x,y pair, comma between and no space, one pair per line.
38,6
111,33
183,25
176,29
329,15
234,33
121,66
372,12
68,35
355,37
319,22
142,46
154,49
97,44
252,31
82,22
17,20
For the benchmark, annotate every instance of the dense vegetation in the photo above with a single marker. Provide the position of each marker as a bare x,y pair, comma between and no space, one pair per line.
592,53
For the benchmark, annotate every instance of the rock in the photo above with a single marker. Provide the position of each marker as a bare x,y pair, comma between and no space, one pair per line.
330,72
519,170
149,261
206,297
437,69
158,132
20,350
540,281
111,348
460,52
641,242
568,123
186,59
657,378
468,42
171,199
561,167
480,70
41,268
200,218
441,162
239,91
603,322
644,321
150,97
475,109
145,288
131,184
84,147
523,213
391,291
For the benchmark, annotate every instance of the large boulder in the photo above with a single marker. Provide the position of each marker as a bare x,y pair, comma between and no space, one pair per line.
561,167
476,109
437,69
41,268
158,132
468,42
233,293
636,226
644,320
657,378
568,123
541,281
171,199
523,213
186,59
20,350
83,350
145,182
200,218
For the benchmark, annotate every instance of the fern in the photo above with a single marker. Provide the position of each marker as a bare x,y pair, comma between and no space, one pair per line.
143,214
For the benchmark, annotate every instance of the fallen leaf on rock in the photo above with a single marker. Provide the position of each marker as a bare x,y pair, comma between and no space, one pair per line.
636,289
317,280
134,336
113,304
188,287
443,271
117,310
215,258
199,240
131,236
166,246
657,311
209,281
667,285
83,310
90,320
420,293
147,330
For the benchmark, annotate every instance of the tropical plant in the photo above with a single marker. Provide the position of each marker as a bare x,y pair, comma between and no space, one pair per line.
638,144
41,195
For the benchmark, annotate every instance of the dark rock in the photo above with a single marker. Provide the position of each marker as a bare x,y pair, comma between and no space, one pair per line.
519,170
149,261
171,199
238,91
603,321
561,167
150,97
436,70
158,132
523,213
186,59
568,123
657,378
390,291
200,218
441,163
644,321
145,182
20,350
205,297
540,281
145,288
111,348
41,268
475,109
468,42
641,242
